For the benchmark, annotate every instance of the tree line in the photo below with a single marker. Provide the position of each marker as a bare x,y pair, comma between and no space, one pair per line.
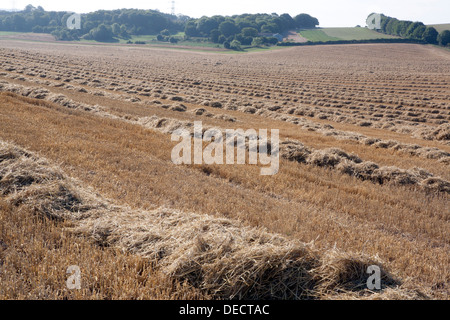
247,29
414,30
107,25
100,25
332,42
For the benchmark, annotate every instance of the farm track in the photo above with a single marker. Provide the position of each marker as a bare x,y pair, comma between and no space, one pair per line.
407,227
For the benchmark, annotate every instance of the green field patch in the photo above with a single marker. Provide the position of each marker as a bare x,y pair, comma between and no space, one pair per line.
316,35
9,33
335,34
355,34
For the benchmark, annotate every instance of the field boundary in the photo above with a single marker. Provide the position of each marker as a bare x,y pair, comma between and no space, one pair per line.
312,43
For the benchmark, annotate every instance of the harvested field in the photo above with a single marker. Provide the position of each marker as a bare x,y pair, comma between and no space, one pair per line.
363,179
219,257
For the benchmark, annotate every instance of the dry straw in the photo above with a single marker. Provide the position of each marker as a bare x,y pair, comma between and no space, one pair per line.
220,257
333,158
441,133
291,150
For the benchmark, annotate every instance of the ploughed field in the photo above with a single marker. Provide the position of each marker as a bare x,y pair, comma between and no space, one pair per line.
363,179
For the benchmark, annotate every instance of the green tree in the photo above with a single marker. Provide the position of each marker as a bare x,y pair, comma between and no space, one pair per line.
235,45
116,29
418,32
444,38
246,21
270,28
102,33
205,25
246,41
384,21
228,28
19,23
249,32
305,21
191,29
124,32
402,26
270,40
29,8
222,39
288,22
215,35
412,27
430,35
165,32
392,26
86,26
257,42
65,34
63,20
37,29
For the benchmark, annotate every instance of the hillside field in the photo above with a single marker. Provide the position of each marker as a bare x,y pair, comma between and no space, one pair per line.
441,27
331,34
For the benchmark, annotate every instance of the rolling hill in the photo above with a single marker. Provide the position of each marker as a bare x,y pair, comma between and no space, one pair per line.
441,27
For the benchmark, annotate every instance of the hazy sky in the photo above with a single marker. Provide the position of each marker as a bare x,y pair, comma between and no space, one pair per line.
331,13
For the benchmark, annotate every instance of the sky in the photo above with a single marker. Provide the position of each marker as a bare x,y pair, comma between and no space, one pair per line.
331,13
